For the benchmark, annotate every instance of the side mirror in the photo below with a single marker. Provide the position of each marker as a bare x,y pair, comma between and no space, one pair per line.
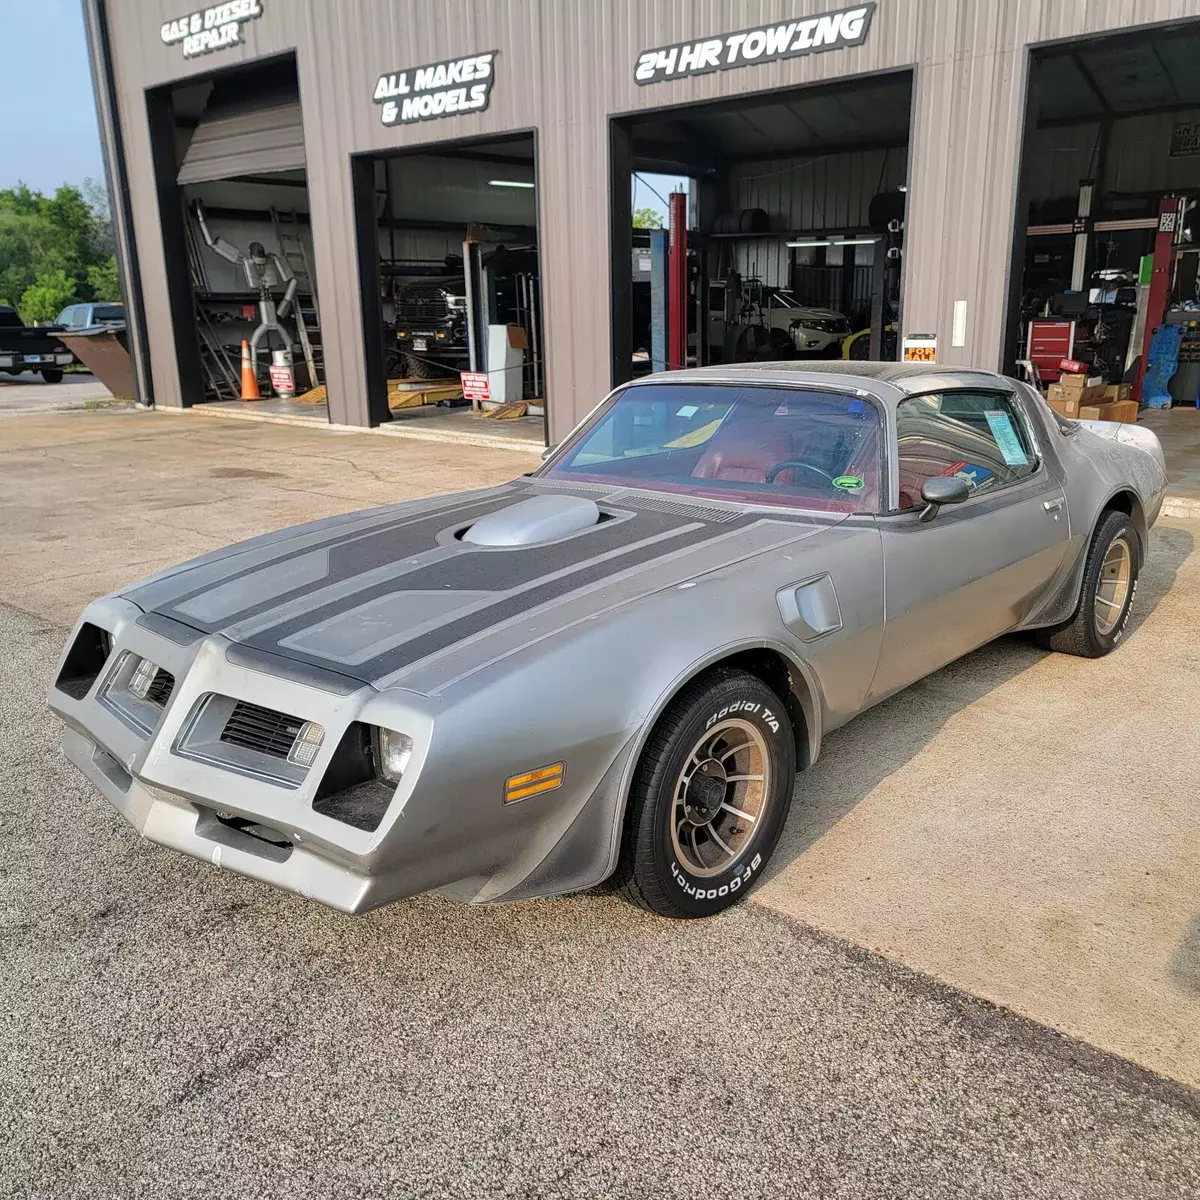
549,450
942,489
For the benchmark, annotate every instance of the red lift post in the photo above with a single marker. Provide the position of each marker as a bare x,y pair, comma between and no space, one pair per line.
677,283
1160,279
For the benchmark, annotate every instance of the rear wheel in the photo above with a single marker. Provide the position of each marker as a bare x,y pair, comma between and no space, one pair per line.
709,799
1106,597
52,374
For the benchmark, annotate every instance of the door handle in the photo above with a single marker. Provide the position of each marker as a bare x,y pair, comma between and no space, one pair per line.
1052,505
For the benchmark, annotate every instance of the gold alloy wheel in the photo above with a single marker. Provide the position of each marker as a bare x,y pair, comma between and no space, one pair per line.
720,797
1112,589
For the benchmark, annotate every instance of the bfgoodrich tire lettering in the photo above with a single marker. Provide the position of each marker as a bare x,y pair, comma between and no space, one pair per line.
709,799
1106,595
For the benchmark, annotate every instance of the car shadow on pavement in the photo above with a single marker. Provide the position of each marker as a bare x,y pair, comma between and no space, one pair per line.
855,759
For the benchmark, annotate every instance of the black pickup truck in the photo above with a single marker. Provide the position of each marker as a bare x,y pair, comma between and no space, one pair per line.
31,348
431,327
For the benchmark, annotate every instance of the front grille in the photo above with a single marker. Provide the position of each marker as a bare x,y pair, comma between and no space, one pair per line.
421,310
263,729
160,689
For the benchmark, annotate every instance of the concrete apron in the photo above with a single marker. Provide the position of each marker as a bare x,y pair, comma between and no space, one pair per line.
1025,826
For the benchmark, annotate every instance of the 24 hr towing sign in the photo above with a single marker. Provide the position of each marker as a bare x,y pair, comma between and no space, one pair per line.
211,28
441,89
765,43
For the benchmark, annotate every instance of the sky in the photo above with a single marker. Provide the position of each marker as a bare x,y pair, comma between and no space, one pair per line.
649,190
48,135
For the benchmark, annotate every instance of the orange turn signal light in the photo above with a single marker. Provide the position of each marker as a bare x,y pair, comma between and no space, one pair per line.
532,783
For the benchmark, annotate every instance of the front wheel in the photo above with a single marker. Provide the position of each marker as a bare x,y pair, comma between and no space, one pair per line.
1106,598
709,798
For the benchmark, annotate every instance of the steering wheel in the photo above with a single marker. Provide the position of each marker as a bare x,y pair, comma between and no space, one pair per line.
789,464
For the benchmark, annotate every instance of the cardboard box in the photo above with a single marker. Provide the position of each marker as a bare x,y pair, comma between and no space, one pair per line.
1116,392
1091,412
1073,366
1061,405
1073,381
1060,391
1124,411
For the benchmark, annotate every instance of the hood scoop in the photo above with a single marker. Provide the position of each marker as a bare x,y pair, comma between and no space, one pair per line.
540,519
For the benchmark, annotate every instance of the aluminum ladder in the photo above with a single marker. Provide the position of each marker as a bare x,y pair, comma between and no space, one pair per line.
308,320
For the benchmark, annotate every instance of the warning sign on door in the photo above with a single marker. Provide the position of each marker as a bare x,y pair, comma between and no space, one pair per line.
475,386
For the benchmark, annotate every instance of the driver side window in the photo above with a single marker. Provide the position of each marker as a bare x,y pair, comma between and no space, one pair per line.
978,436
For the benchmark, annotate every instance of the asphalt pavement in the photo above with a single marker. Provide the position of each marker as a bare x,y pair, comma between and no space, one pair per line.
27,393
167,1029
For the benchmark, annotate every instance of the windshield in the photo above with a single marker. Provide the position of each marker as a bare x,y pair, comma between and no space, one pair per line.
764,445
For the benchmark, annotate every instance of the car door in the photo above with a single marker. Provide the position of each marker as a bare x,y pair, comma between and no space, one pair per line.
980,567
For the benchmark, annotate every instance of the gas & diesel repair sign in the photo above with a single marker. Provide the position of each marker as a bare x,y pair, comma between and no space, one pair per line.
764,43
441,89
210,28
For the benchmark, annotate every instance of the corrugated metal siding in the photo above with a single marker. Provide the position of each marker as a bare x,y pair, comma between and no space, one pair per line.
1138,157
249,143
817,193
565,66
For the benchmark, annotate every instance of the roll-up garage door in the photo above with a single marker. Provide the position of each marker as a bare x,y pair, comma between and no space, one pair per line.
247,140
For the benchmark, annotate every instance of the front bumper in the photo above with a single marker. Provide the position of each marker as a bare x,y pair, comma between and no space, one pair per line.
444,827
171,820
36,362
196,806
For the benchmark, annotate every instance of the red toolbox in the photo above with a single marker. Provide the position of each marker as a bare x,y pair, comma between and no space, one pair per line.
1048,343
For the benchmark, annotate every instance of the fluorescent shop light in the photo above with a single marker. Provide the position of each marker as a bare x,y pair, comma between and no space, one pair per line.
811,243
509,183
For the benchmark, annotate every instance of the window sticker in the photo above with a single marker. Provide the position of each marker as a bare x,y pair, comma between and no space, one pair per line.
855,406
850,483
688,410
1001,425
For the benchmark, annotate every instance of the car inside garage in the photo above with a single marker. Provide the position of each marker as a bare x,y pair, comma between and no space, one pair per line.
231,177
451,280
786,240
1107,242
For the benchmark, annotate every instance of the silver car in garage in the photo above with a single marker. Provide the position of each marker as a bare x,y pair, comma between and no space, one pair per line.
611,669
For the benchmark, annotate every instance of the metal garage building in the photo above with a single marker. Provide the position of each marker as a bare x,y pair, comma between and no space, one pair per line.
964,112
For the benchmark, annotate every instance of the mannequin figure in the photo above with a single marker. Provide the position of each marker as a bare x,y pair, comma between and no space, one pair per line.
264,270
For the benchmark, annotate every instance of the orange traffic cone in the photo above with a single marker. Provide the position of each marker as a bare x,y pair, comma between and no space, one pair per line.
249,383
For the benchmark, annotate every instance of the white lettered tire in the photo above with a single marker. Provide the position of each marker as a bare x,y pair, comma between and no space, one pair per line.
709,798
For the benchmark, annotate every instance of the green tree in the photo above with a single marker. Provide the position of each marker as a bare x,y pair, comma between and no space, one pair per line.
46,297
646,218
42,235
104,281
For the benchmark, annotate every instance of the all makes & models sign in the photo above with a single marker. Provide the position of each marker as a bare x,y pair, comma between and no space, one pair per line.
441,89
211,28
765,43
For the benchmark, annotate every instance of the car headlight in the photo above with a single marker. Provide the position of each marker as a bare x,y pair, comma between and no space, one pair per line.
395,751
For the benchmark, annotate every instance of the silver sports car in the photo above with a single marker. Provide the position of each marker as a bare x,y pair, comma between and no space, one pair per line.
613,668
